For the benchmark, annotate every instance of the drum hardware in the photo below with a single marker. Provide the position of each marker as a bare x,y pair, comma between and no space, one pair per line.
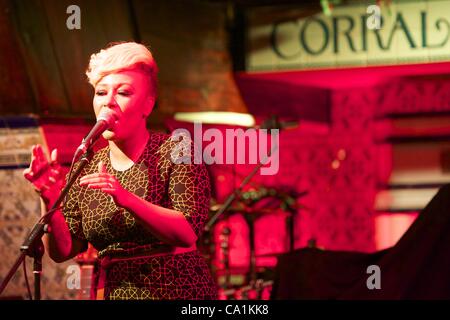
252,205
88,264
250,219
258,290
225,246
270,255
246,201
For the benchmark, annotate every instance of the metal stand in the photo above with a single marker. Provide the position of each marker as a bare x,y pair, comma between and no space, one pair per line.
250,219
290,228
271,123
206,242
225,246
207,230
37,268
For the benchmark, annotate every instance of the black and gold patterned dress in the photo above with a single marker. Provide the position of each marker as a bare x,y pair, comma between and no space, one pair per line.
125,249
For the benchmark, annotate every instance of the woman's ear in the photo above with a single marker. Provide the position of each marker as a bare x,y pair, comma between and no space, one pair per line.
152,101
149,106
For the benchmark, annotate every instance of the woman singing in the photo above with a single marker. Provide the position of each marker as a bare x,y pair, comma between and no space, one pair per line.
142,211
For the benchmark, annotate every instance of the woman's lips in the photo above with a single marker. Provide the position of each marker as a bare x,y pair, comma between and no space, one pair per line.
114,124
112,127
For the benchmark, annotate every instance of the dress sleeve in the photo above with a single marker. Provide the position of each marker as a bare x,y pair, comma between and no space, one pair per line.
72,212
190,189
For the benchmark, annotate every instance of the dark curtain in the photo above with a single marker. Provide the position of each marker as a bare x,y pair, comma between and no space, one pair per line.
417,267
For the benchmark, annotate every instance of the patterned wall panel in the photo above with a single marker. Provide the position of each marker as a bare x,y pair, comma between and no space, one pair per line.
413,96
19,211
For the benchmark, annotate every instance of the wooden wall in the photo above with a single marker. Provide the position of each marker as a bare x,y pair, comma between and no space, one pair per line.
43,62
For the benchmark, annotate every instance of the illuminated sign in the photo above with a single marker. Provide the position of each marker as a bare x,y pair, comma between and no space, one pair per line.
353,35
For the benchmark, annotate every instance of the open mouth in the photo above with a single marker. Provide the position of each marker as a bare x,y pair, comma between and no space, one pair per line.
115,122
113,126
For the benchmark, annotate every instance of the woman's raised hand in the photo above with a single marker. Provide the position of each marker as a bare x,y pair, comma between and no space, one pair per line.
44,174
107,183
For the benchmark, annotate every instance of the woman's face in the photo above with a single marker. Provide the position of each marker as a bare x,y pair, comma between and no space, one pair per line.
129,96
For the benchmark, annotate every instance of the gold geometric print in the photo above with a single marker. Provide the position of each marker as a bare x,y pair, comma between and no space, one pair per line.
115,233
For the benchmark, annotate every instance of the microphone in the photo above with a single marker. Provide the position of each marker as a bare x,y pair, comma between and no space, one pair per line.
105,120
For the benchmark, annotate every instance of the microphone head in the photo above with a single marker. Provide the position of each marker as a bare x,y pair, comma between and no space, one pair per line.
107,115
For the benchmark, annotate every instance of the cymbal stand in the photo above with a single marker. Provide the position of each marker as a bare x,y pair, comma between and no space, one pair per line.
290,228
250,219
225,246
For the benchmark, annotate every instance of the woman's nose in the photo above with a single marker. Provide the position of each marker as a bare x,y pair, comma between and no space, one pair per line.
108,106
109,100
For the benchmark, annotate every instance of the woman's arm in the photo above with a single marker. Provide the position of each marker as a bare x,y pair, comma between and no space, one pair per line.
168,225
47,179
59,243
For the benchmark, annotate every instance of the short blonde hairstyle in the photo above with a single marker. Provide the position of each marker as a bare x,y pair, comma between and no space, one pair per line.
121,57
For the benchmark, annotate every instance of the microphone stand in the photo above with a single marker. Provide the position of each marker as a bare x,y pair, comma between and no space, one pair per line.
236,193
271,123
206,238
33,245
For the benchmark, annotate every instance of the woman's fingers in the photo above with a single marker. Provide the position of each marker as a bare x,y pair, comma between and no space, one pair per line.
56,173
34,155
54,156
105,187
39,166
38,159
27,173
46,177
100,180
34,151
39,153
95,175
101,185
95,180
41,158
101,167
30,172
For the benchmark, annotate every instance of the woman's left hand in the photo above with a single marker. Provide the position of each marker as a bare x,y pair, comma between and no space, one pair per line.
106,183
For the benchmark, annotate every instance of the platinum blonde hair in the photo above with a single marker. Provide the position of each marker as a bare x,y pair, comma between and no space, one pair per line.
122,57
